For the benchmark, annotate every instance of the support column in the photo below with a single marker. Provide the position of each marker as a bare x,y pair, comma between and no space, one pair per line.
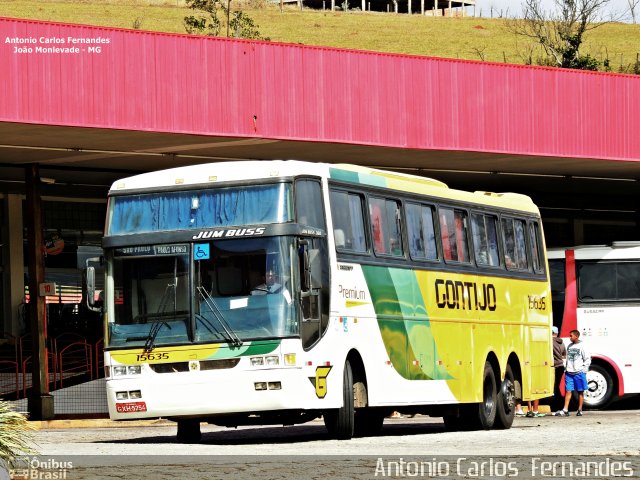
14,275
40,402
637,217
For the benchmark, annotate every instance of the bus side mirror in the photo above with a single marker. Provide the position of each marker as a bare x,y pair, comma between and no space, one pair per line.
315,269
91,286
311,267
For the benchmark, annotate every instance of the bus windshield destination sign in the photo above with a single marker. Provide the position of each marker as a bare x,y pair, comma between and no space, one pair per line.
152,250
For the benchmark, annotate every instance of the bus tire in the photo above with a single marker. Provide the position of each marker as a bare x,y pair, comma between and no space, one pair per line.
477,416
189,431
506,403
485,412
600,385
340,422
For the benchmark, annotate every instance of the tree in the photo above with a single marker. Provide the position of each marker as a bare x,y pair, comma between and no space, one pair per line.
15,438
560,31
633,4
214,15
207,22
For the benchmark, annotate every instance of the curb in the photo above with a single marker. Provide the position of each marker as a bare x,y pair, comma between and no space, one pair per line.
97,423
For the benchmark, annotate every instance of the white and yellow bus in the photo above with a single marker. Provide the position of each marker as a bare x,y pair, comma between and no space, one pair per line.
596,290
276,292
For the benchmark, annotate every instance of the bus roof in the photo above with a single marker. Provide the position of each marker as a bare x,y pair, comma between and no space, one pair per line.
215,173
615,251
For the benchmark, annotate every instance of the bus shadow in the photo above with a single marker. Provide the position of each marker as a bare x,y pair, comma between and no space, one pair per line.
283,435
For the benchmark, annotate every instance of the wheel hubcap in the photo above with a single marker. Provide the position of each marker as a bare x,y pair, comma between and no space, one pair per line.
597,387
508,393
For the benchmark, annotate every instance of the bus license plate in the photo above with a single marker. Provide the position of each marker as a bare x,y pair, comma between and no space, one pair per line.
131,407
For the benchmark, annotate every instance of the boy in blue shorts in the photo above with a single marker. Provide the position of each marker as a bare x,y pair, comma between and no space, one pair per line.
575,375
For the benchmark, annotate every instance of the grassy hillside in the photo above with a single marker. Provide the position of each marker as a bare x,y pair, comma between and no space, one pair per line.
467,38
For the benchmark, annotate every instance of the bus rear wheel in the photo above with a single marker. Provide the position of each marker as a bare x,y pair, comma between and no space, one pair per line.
340,422
600,388
477,416
486,410
506,408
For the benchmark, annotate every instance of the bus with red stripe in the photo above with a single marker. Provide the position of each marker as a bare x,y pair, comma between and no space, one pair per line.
596,290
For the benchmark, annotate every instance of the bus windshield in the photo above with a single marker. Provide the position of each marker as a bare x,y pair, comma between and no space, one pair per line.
190,209
151,296
250,284
243,290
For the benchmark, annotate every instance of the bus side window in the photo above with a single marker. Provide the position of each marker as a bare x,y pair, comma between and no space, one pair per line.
309,202
376,207
628,281
515,251
453,230
386,226
485,239
421,232
386,223
346,211
536,247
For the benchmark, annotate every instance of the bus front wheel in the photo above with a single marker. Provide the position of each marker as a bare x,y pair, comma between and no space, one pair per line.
600,388
340,422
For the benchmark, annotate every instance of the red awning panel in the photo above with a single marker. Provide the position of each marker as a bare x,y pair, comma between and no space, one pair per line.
233,88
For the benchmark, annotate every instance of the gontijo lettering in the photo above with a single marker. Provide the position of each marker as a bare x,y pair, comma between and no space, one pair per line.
465,295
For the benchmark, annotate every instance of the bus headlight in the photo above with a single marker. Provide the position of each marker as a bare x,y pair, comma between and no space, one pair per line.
257,361
272,360
122,395
260,385
121,370
290,359
135,394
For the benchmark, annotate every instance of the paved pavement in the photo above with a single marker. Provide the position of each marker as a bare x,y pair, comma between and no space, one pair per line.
96,449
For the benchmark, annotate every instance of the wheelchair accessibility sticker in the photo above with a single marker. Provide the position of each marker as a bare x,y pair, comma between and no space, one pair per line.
201,251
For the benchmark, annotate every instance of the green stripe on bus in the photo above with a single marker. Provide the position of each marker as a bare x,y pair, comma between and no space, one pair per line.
404,323
249,348
344,175
357,178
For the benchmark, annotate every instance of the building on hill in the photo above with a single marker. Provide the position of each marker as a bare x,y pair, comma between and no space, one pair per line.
449,8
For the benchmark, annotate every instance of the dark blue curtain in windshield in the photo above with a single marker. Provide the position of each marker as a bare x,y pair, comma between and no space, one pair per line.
200,209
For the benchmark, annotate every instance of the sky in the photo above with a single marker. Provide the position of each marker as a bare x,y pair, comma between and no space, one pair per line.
615,6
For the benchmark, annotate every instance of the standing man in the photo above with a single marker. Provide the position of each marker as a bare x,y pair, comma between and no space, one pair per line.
559,356
575,375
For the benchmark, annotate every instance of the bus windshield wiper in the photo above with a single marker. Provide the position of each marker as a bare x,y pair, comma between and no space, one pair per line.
217,314
157,324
